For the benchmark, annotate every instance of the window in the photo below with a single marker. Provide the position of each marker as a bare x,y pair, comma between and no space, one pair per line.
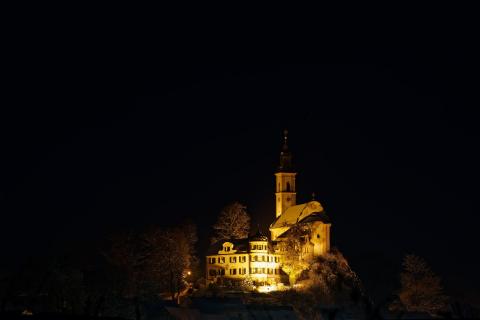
318,236
254,258
233,259
233,271
263,270
212,272
211,260
221,272
242,259
242,270
263,258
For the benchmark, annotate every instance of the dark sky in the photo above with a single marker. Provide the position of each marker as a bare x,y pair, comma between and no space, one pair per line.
390,146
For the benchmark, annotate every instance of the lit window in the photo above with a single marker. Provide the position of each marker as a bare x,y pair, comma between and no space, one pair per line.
233,259
221,260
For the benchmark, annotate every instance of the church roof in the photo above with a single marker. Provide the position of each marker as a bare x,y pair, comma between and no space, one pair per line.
316,216
298,213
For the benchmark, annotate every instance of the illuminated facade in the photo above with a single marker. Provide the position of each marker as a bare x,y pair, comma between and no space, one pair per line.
236,260
261,259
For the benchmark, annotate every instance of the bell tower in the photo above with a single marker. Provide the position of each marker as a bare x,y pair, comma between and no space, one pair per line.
285,189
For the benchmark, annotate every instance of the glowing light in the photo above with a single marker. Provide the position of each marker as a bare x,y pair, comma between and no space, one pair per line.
267,288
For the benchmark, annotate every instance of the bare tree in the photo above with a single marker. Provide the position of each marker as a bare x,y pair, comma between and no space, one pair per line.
149,263
128,255
172,257
233,223
294,260
421,290
331,280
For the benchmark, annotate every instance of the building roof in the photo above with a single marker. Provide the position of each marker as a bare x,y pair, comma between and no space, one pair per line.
241,245
259,236
298,213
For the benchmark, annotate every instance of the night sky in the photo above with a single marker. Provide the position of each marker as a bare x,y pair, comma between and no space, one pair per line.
390,147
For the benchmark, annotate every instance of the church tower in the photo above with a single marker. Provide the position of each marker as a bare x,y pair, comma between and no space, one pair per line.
286,195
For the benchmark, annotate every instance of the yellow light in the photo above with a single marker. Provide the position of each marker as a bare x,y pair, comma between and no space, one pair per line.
189,273
267,288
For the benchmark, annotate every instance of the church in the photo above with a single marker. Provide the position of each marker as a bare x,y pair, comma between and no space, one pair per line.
260,258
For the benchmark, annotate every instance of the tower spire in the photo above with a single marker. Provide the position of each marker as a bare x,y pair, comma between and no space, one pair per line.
285,155
285,140
285,193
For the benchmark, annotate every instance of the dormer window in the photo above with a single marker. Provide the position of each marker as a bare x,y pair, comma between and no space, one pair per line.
227,247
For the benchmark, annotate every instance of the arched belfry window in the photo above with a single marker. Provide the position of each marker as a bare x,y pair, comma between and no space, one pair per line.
288,186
